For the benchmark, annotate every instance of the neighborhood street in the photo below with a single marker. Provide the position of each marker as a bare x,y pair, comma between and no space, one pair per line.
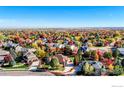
24,73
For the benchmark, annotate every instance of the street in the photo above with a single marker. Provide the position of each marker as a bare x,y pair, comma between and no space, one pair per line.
24,73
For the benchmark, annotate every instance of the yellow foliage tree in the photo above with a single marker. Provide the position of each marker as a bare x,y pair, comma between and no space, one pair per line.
39,41
34,45
77,38
96,57
40,53
111,67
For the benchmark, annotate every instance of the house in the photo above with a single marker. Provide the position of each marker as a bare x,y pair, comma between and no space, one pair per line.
10,44
2,60
4,52
121,51
107,49
1,43
21,49
3,55
28,56
31,59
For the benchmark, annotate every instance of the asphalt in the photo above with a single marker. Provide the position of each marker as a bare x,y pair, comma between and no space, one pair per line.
25,73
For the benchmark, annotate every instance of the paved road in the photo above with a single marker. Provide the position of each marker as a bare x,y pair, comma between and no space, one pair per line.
24,73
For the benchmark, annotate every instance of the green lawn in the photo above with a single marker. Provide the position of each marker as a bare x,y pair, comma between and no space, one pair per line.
18,66
44,66
72,58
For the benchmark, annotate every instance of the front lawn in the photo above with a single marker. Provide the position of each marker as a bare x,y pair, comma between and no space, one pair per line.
18,66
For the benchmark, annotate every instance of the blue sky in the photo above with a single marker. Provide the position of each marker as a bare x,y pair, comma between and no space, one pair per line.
61,16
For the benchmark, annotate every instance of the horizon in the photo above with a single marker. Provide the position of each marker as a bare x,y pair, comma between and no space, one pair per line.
59,28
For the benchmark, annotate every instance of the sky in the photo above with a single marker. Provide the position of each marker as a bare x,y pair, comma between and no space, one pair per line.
61,16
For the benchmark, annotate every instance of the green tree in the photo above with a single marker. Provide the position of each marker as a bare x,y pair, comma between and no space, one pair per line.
54,62
88,69
107,55
2,37
118,70
115,54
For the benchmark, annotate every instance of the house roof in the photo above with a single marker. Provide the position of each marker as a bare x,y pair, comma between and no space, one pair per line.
3,52
121,50
2,58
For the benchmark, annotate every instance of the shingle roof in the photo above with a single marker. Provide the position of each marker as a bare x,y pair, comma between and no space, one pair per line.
121,50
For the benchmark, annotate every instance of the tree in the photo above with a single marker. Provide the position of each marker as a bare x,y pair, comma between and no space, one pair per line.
9,59
67,50
118,70
111,67
54,62
40,53
97,36
107,55
34,45
2,37
88,69
95,55
116,34
115,54
76,59
122,63
87,54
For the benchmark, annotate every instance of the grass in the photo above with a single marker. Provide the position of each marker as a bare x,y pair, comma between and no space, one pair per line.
72,58
122,75
60,68
18,66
